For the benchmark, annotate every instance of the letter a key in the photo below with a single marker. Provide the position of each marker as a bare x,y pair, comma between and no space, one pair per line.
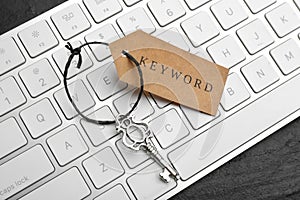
137,136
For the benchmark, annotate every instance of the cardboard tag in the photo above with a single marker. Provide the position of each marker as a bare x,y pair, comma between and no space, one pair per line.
170,72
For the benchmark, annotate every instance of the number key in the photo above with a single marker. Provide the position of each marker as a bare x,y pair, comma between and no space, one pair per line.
166,11
11,95
39,78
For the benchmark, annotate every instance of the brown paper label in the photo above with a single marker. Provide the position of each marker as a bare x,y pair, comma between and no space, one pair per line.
170,72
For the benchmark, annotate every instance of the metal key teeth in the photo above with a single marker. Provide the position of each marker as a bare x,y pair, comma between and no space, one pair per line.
168,172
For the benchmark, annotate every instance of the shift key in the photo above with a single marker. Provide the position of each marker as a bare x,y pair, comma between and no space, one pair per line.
22,171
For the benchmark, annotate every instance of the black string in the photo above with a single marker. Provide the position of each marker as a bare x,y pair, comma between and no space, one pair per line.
77,52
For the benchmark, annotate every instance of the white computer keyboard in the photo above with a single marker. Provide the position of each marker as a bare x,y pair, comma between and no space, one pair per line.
47,152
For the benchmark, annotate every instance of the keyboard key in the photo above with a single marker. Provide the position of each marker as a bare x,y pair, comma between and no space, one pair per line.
173,37
12,137
39,77
150,176
135,20
226,52
99,134
10,55
38,38
117,192
11,95
283,19
103,167
200,28
166,11
131,157
229,13
107,34
234,93
40,118
105,81
124,103
168,128
224,138
69,185
257,6
260,74
193,4
196,118
70,21
67,145
61,57
255,36
131,2
80,95
23,170
287,56
102,9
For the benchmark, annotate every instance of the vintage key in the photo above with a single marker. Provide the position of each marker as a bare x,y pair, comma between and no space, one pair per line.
137,136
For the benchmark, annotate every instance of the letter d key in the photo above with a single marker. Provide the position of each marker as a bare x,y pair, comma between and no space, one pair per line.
127,127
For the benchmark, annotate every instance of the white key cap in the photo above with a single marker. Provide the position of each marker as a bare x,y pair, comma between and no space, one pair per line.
255,36
257,6
173,37
10,55
103,167
99,134
226,52
238,129
11,95
168,128
193,4
61,57
283,19
297,2
229,13
135,20
200,28
149,175
131,2
124,103
166,11
116,192
196,118
131,157
287,56
13,137
69,185
38,38
105,81
23,170
234,93
260,74
70,21
39,78
40,118
67,145
80,96
106,33
102,9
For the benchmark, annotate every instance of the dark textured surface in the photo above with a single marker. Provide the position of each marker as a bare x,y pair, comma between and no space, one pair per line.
269,170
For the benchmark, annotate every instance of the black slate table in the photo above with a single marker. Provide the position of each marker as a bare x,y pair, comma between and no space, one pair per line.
269,170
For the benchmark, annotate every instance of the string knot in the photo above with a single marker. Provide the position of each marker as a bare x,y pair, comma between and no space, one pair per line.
75,52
